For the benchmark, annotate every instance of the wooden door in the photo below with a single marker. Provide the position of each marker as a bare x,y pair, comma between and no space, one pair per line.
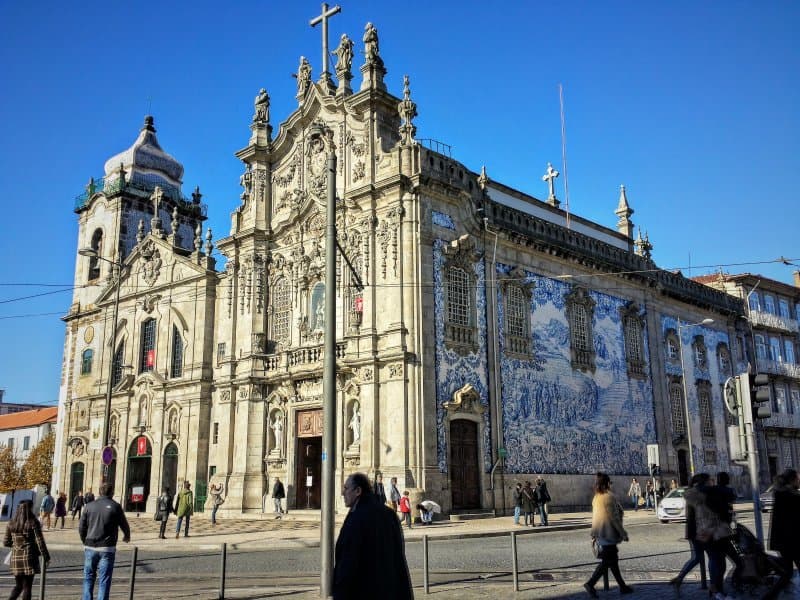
464,468
309,473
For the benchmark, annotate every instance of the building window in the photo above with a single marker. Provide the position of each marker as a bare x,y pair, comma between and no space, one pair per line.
754,302
354,298
86,361
220,352
769,304
147,359
177,353
706,416
10,443
460,286
724,359
673,348
795,400
632,329
212,470
281,311
26,442
116,369
788,351
676,408
458,304
517,314
710,456
215,435
780,399
580,311
761,347
774,349
783,308
700,353
94,261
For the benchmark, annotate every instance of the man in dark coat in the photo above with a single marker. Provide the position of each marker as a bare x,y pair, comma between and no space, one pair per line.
370,559
278,494
784,531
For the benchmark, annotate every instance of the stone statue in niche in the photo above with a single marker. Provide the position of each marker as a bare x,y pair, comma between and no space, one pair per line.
355,423
142,410
173,422
277,431
318,307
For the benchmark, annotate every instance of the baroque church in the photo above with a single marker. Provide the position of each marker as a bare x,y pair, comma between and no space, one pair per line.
483,335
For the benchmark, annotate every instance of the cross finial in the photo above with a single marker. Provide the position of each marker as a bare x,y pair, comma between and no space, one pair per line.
550,177
325,76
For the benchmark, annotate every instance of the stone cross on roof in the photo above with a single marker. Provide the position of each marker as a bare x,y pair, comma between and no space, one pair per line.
325,76
550,177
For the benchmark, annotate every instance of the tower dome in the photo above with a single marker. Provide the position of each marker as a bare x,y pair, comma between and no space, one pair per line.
146,163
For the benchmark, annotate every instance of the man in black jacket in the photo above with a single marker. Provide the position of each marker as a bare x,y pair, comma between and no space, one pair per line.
370,559
98,530
278,494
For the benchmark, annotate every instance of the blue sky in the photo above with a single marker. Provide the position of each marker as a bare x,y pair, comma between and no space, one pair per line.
691,105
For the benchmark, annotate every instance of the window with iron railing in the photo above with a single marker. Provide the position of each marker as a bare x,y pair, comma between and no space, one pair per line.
147,358
282,311
706,415
677,409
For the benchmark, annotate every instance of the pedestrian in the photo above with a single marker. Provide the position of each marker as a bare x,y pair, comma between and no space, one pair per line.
278,494
216,491
184,509
634,493
724,542
394,493
370,560
24,537
46,508
163,508
380,492
673,485
405,508
718,532
607,531
542,497
784,530
77,505
425,515
649,495
694,498
61,508
528,503
88,497
517,496
98,530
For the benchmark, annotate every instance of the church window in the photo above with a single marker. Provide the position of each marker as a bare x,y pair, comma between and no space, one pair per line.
700,353
94,261
215,436
580,310
676,408
515,312
220,352
116,369
460,287
632,329
86,361
706,416
458,296
281,311
177,353
353,296
673,347
147,358
517,292
724,357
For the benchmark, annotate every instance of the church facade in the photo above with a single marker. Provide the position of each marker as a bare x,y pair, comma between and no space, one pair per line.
484,336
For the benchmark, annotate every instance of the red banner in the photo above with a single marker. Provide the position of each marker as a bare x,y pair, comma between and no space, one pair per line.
141,446
151,358
359,304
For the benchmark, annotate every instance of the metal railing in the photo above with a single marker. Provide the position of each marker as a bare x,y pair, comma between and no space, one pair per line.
137,183
776,367
765,319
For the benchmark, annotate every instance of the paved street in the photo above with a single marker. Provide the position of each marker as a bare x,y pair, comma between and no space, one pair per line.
472,559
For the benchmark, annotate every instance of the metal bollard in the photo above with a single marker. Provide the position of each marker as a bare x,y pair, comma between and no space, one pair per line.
134,556
514,565
224,557
43,580
425,581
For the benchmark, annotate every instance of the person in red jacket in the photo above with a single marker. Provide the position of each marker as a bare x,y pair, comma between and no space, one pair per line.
405,508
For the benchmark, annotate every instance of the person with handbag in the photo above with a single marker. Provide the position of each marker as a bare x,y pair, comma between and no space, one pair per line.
163,508
635,492
695,501
607,531
24,537
215,491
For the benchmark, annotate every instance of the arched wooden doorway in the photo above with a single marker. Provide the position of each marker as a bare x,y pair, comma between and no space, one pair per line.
75,481
169,473
137,479
464,467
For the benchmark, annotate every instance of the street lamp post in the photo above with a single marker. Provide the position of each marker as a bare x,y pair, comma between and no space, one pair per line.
91,253
686,389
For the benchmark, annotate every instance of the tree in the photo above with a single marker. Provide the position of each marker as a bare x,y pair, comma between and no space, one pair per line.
39,466
10,474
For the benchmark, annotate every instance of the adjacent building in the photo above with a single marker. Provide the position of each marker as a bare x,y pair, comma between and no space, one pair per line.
22,430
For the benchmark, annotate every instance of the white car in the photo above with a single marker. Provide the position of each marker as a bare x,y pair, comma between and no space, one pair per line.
672,506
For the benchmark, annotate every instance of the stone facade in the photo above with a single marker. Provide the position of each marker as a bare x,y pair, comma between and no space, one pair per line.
495,336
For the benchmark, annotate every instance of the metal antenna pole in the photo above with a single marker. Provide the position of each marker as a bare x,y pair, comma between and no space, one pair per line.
329,376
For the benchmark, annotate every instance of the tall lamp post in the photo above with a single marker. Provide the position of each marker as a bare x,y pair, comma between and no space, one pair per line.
91,253
686,388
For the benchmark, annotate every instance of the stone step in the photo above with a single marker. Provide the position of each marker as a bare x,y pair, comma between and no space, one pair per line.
472,514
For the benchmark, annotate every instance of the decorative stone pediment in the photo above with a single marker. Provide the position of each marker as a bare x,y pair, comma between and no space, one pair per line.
465,400
462,252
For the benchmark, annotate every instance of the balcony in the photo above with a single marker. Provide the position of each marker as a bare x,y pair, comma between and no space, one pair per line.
308,356
774,367
759,318
783,420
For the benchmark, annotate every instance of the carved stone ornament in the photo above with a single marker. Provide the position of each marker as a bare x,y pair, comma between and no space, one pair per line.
316,156
396,370
151,266
149,302
365,374
77,447
465,400
225,395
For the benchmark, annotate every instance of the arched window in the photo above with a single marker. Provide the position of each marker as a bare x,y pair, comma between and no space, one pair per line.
706,416
116,369
632,329
676,408
580,310
147,358
281,311
177,353
700,353
460,286
86,361
458,295
517,314
94,261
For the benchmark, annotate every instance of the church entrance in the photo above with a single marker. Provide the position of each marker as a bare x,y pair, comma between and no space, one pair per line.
464,469
137,478
308,474
169,474
75,481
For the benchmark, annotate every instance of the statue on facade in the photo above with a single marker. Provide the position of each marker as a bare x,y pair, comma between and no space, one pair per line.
262,107
355,423
277,432
173,422
344,56
303,77
319,314
371,49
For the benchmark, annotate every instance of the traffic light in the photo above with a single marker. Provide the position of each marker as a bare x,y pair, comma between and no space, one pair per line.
760,396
